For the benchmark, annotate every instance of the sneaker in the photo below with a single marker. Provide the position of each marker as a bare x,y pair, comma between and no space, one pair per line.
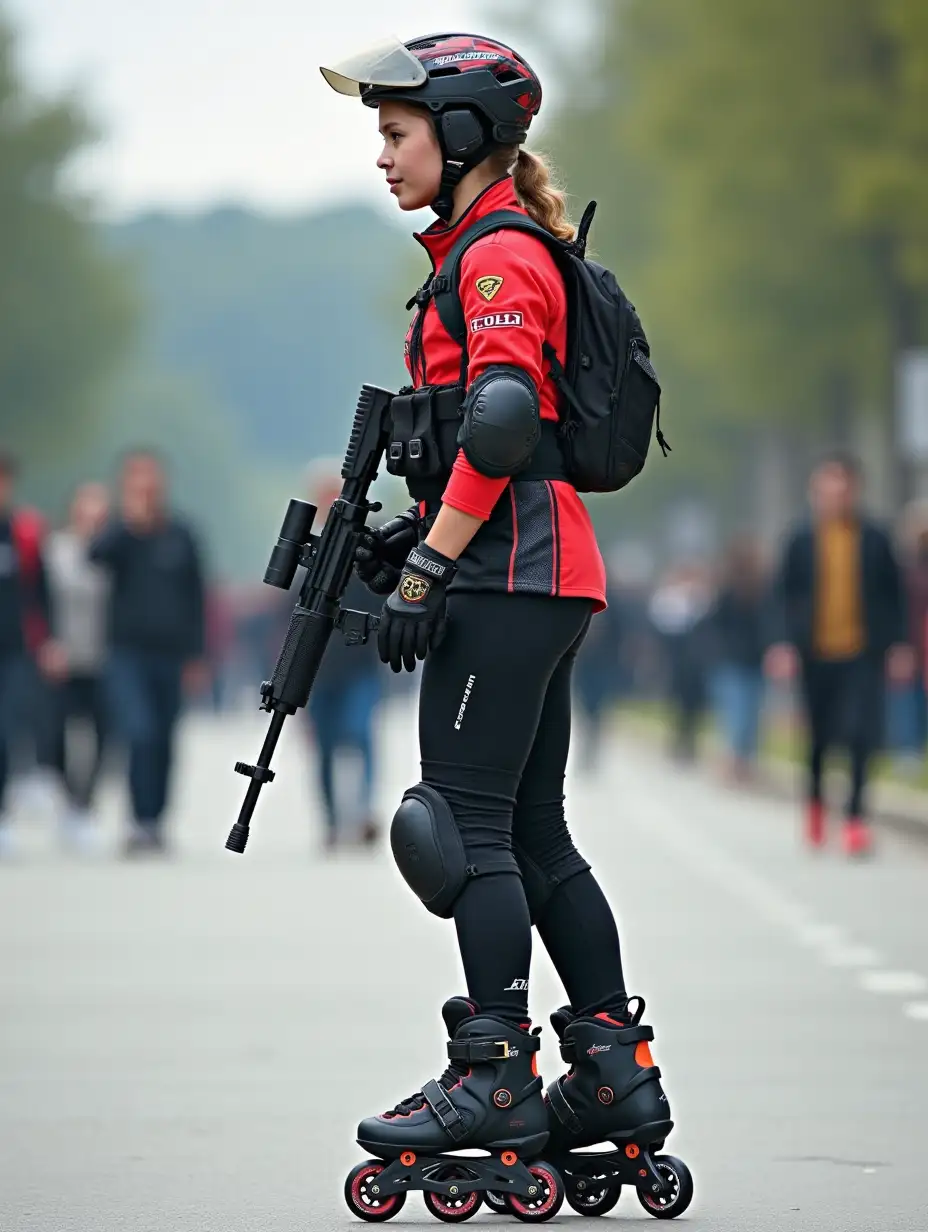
815,823
144,841
858,840
80,832
8,844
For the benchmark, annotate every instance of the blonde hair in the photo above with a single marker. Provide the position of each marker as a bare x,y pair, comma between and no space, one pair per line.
537,191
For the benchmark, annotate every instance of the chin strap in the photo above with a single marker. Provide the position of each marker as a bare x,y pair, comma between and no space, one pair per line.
451,176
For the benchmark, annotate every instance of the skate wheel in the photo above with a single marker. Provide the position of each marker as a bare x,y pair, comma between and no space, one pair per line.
451,1209
361,1199
543,1205
496,1202
678,1175
593,1199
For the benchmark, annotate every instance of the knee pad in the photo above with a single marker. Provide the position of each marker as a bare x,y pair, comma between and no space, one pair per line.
428,850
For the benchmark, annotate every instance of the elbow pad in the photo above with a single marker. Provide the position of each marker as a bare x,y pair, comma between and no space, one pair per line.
502,421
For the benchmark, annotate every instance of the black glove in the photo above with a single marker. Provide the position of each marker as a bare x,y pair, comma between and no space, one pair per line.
413,620
381,551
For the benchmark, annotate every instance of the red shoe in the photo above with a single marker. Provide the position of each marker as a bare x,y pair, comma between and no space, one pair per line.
815,823
857,838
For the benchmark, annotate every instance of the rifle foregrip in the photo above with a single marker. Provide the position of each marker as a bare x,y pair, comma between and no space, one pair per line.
300,656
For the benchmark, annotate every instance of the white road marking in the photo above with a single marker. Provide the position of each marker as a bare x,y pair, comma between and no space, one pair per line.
893,981
851,956
741,882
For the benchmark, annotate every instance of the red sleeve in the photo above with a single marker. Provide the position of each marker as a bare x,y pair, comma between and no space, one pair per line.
506,314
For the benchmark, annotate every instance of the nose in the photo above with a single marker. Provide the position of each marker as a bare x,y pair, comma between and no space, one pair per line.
384,162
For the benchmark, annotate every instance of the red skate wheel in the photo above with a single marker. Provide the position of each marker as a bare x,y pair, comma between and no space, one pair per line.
543,1205
363,1201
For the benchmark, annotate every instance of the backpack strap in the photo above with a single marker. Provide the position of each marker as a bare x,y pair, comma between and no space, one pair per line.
447,284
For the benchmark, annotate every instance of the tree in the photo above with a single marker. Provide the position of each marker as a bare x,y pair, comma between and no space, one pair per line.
66,308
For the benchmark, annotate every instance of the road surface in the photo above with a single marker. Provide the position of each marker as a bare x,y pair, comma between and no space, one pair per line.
188,1045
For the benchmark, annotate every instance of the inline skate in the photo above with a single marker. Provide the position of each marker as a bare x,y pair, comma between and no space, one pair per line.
612,1093
488,1099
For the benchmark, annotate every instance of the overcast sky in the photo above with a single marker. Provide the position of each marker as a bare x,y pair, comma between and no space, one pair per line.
207,101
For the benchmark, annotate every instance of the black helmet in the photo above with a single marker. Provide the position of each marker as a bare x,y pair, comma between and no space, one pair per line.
481,95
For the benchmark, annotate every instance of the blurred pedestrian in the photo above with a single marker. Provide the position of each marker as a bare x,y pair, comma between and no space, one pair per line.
156,635
343,707
907,704
678,611
596,677
739,627
79,601
842,625
29,657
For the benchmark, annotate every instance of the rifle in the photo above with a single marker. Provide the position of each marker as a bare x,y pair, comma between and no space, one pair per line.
328,559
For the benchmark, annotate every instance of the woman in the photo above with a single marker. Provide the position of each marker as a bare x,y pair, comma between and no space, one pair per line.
492,580
79,597
739,631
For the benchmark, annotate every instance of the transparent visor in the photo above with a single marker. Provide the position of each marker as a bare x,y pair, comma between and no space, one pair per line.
388,64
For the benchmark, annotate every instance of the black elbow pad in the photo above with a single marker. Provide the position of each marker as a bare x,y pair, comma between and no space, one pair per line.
502,421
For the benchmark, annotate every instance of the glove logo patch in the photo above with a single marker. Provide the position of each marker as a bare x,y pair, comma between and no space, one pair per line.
414,589
489,286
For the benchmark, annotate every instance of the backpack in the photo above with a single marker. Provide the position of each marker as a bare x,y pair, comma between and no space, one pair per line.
610,392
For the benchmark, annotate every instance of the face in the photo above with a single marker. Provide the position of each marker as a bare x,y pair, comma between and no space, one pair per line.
411,156
833,491
142,489
89,508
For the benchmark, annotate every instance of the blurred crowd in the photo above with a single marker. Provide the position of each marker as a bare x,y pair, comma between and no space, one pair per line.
819,641
110,628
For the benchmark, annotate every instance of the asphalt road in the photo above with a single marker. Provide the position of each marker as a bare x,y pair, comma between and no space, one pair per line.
188,1045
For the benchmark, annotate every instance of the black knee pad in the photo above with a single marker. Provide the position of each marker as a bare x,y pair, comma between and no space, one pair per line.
428,850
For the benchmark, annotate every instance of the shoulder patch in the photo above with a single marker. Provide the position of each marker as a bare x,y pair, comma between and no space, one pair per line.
489,285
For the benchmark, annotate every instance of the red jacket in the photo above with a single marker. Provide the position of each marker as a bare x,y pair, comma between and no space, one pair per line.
537,536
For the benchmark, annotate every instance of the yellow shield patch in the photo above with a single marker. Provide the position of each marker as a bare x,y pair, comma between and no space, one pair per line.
414,588
489,285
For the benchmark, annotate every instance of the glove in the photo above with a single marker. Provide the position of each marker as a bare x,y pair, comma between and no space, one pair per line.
381,551
414,619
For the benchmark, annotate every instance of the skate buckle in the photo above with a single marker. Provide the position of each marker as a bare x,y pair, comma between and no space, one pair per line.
504,1044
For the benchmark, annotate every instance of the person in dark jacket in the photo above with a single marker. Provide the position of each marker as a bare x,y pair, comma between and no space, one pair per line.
842,625
738,625
156,635
344,700
29,657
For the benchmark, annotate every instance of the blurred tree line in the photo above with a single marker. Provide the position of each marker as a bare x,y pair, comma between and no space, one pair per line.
762,173
231,342
66,309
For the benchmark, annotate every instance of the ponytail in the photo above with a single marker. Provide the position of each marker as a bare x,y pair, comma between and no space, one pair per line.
540,196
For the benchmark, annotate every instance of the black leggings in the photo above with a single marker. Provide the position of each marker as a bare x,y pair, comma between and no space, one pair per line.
494,731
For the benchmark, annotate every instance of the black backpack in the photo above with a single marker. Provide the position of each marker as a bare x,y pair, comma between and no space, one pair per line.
609,388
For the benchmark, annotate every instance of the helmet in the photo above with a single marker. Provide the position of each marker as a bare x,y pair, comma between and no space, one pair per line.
480,93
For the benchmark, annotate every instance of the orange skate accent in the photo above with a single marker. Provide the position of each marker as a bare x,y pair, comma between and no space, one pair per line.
632,1151
408,1158
643,1055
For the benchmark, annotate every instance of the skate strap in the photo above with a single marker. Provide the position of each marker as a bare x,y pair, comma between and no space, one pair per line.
487,1049
561,1108
445,1112
625,1035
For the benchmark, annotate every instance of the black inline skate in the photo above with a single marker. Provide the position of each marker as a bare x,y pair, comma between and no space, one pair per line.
489,1099
612,1093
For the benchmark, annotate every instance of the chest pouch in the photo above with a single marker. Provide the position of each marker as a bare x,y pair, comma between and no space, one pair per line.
424,425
